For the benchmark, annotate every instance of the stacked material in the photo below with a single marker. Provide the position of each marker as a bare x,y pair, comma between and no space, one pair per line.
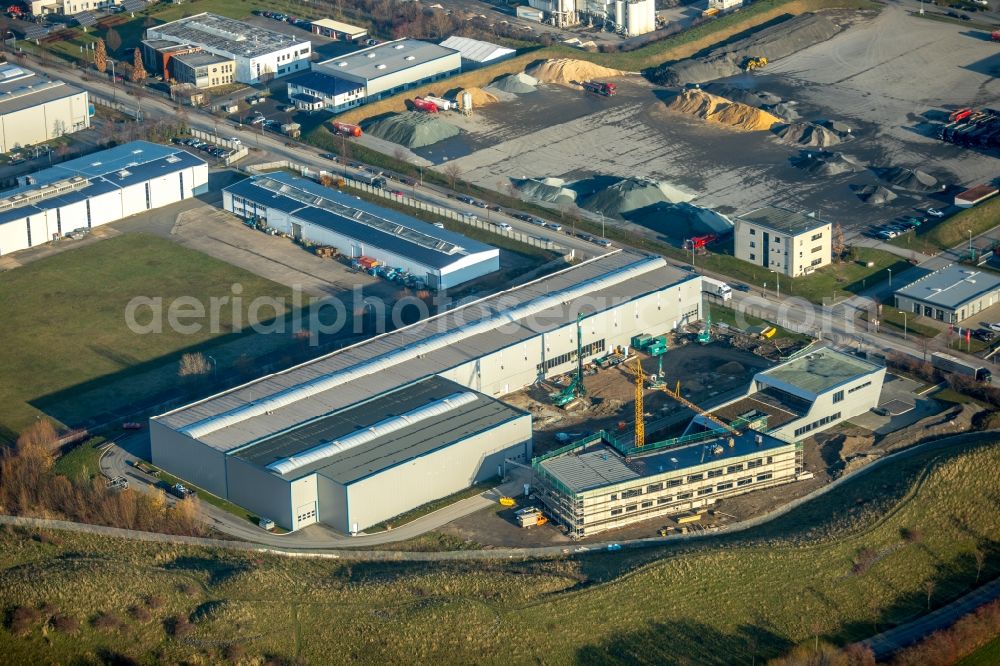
807,134
906,179
550,190
823,163
480,97
568,71
516,83
876,195
632,194
713,108
412,129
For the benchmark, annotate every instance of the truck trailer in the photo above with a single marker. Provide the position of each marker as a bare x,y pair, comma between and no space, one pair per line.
347,129
717,288
441,103
955,365
424,105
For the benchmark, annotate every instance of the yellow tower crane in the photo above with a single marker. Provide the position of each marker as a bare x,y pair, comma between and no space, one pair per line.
640,426
676,395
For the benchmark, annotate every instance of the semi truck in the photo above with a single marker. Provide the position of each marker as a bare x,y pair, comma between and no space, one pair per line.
955,365
346,129
717,288
375,180
600,88
424,105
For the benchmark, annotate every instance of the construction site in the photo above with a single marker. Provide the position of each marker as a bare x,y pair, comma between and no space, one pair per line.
783,117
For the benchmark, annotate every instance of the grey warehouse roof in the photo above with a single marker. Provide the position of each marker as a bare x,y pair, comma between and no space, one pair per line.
481,414
23,89
952,286
358,219
782,220
601,465
227,35
324,83
386,58
279,401
818,370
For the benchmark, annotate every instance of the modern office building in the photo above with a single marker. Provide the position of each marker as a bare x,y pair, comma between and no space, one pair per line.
951,294
783,241
338,30
315,91
35,109
102,187
258,53
439,258
70,7
203,70
392,67
387,424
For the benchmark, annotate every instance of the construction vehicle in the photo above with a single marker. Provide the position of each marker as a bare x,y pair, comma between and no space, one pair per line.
974,128
640,423
346,129
424,105
768,332
507,501
600,88
699,242
750,64
705,334
960,114
575,389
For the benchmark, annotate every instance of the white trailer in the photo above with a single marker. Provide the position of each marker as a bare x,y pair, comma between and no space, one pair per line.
716,288
441,103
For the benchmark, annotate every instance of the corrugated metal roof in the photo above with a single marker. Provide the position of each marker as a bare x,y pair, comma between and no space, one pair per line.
477,50
385,59
488,327
951,287
324,83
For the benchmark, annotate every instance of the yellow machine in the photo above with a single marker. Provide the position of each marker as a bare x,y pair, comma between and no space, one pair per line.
507,501
751,64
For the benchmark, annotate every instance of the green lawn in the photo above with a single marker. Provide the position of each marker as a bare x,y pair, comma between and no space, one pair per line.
82,461
973,346
736,599
724,315
904,322
65,333
949,232
988,655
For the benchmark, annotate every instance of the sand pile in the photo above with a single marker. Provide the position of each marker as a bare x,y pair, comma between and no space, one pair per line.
906,179
720,110
807,134
823,163
632,194
568,71
876,195
480,97
777,41
412,129
516,83
551,190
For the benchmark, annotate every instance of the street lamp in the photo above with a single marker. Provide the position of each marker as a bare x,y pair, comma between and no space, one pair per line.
970,243
777,276
890,277
114,88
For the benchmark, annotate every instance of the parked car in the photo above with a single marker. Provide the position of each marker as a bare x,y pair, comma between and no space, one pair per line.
553,226
984,334
328,156
522,216
934,212
505,226
995,327
740,287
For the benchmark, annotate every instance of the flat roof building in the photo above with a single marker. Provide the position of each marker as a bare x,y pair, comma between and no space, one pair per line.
475,52
392,67
951,294
102,187
258,52
35,109
203,70
974,195
784,241
439,258
493,346
337,29
314,90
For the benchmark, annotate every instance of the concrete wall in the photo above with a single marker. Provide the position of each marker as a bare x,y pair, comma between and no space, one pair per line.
790,255
432,476
44,122
187,459
333,503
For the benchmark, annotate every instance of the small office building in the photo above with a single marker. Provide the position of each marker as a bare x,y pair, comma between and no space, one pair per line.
951,294
203,70
783,241
314,91
338,30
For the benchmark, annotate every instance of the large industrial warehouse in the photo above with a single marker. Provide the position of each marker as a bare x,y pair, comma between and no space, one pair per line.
358,436
257,52
34,109
441,259
102,187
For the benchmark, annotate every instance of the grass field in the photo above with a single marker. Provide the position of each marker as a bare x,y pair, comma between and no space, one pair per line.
904,322
954,230
988,655
841,567
64,319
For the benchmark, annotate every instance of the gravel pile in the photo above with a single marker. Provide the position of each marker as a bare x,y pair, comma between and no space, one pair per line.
632,194
907,179
679,221
550,190
776,42
412,129
516,83
807,134
715,109
568,71
827,164
876,195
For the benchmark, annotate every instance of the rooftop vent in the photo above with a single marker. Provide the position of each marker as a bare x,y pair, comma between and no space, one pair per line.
370,55
380,66
124,173
398,46
410,58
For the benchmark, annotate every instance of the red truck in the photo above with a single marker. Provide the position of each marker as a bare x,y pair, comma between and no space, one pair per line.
424,105
995,35
961,114
346,129
600,88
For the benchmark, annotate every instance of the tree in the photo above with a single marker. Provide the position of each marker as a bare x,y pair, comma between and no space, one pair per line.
58,128
39,442
980,561
452,171
138,71
192,365
113,39
101,56
929,586
838,242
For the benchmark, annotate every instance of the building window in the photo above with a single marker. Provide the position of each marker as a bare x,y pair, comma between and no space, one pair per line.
646,505
859,387
631,508
746,481
588,350
777,240
614,497
708,490
764,477
673,483
753,232
817,248
732,469
816,237
628,494
664,500
695,477
838,397
815,424
684,496
753,244
724,486
755,463
712,473
615,512
816,262
149,203
656,487
753,257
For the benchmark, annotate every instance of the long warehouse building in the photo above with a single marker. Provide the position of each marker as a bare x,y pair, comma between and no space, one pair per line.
440,259
34,109
96,189
358,436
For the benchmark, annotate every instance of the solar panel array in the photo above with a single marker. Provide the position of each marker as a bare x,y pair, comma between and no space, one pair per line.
134,5
86,19
36,31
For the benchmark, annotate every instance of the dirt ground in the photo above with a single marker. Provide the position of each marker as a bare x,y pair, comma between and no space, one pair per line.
865,77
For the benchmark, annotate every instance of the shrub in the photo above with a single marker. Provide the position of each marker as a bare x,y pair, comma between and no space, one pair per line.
140,613
23,620
65,624
179,627
912,534
155,601
233,652
105,621
864,560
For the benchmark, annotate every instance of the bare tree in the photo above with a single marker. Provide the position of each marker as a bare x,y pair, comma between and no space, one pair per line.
192,365
929,586
838,242
39,442
113,39
452,171
266,75
980,561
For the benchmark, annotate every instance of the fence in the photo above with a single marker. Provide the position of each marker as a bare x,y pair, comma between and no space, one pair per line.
239,150
134,112
411,202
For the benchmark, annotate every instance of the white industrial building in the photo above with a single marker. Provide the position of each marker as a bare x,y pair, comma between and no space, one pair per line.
70,7
783,241
439,258
476,53
360,435
94,190
625,17
258,52
34,109
815,390
392,67
950,294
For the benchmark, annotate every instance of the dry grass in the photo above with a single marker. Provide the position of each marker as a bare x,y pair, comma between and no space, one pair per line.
717,602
